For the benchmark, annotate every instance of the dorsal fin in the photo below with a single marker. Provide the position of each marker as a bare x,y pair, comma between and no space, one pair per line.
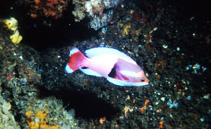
100,51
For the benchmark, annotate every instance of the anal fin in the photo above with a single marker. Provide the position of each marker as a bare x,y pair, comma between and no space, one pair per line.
90,72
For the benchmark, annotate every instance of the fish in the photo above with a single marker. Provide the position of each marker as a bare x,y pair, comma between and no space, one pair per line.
112,64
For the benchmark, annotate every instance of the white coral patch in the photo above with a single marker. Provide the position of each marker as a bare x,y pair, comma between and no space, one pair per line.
95,3
88,6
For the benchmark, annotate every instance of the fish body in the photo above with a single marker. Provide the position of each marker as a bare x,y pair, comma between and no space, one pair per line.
115,66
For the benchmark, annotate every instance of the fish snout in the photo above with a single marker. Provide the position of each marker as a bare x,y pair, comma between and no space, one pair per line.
144,79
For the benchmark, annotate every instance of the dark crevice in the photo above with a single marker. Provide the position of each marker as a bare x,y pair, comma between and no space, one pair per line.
86,104
45,32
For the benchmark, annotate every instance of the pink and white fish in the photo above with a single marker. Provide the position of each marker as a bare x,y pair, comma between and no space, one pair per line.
115,66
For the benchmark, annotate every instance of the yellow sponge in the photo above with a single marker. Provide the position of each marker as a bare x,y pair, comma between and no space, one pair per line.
11,23
16,37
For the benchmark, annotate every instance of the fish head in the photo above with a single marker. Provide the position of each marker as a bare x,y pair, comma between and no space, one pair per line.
128,73
142,77
133,76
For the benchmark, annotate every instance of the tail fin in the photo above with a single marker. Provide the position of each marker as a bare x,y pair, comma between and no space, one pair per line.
76,60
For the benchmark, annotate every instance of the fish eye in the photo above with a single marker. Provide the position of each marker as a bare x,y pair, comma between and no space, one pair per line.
142,79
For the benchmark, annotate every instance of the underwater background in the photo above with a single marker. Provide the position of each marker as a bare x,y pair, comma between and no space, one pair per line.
169,39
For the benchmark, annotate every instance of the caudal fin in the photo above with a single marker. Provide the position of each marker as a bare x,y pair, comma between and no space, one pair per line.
76,60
